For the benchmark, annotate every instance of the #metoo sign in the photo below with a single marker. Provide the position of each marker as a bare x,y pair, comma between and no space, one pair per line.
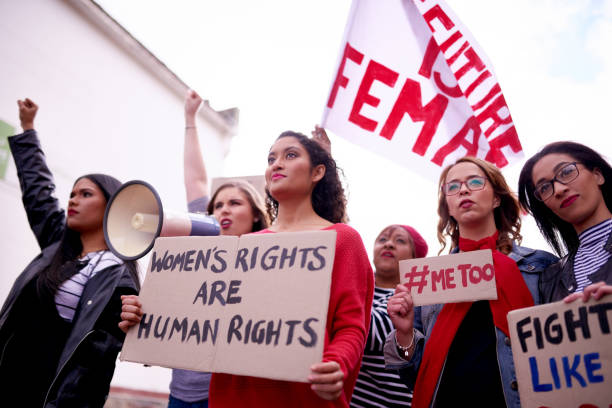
413,85
465,276
563,354
253,305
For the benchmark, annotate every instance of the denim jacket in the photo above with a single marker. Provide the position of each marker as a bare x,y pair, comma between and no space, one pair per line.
531,263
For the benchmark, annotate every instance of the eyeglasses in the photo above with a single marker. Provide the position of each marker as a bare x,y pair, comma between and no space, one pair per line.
474,183
566,174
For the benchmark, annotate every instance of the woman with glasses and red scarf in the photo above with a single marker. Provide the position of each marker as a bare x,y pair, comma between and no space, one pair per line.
462,349
567,187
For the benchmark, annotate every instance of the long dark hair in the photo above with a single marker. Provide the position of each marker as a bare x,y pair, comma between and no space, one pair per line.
254,198
507,214
559,234
64,262
328,199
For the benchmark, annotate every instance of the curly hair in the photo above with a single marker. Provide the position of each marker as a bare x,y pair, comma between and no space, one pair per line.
560,234
328,198
507,214
255,201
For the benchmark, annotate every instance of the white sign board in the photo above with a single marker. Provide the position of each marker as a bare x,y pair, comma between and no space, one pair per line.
254,305
563,354
465,276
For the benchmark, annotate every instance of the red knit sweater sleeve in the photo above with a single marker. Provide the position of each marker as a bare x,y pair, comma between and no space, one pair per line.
350,303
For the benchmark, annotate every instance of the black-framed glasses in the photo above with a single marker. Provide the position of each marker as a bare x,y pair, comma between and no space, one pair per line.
473,183
565,175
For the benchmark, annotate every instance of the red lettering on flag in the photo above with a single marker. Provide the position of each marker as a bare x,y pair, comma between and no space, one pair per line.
460,140
341,80
474,61
451,40
409,101
494,91
374,72
477,82
492,112
454,92
457,53
431,53
508,138
436,12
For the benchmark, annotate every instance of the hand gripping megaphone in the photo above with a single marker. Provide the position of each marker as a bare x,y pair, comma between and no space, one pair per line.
134,217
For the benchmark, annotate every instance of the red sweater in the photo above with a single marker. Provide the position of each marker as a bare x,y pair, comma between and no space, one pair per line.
348,321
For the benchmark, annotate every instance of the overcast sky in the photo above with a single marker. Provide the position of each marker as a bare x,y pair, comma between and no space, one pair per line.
275,59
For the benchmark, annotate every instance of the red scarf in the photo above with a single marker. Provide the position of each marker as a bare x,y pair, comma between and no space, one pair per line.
512,293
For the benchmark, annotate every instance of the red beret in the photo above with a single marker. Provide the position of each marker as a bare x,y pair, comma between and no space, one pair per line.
420,246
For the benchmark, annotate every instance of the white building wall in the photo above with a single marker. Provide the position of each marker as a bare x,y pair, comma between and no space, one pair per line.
101,110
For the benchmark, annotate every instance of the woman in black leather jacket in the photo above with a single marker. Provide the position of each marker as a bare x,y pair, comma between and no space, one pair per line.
59,334
567,187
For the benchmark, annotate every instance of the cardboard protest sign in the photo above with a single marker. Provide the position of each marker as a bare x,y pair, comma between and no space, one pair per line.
563,354
254,305
465,276
412,84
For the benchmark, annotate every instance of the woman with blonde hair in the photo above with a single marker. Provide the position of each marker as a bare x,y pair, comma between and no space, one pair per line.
454,349
238,208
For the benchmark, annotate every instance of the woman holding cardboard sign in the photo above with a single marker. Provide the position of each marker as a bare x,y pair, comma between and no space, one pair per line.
463,348
305,194
238,207
567,187
58,327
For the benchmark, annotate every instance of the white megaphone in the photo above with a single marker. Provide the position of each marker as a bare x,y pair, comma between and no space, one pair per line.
134,217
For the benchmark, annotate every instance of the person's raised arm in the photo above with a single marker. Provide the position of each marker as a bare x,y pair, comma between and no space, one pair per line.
27,113
401,311
196,179
45,216
320,136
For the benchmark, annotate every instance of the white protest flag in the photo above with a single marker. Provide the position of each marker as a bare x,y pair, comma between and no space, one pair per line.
413,85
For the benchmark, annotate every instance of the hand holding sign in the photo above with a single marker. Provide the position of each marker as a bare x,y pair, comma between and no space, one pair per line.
254,305
327,380
596,291
131,312
562,353
400,307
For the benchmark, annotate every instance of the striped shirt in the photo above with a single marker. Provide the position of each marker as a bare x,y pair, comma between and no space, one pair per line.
377,387
69,293
591,254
